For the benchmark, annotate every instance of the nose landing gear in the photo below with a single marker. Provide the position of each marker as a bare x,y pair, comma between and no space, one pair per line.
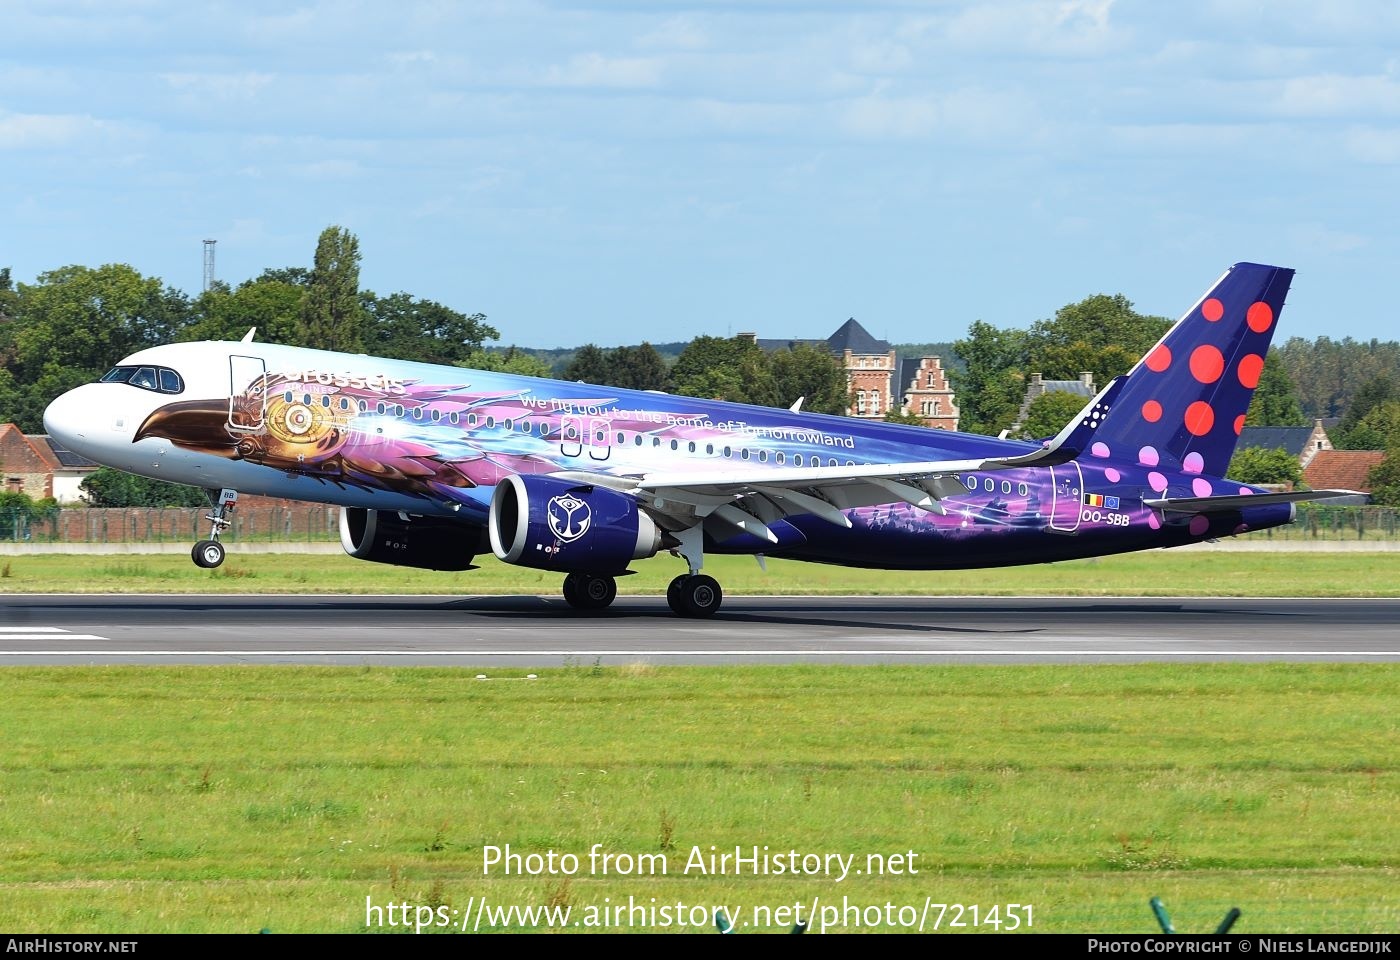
210,553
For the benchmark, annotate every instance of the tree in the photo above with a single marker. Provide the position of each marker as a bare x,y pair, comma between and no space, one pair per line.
73,324
106,487
1384,479
1274,403
19,510
1049,413
896,416
296,276
805,371
1372,394
639,368
713,368
591,364
1258,465
405,328
1102,334
992,386
1379,429
514,360
332,317
273,306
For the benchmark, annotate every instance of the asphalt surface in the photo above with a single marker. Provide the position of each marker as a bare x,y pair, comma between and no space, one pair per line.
526,632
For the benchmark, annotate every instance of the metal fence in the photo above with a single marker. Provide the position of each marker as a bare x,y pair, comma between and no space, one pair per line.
262,523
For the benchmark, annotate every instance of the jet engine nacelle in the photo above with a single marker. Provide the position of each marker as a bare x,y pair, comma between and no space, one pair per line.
541,521
405,540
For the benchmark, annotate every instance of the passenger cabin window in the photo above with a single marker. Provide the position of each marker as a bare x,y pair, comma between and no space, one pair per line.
157,379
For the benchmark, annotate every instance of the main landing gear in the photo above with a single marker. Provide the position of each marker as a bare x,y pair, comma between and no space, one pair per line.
210,553
694,595
589,591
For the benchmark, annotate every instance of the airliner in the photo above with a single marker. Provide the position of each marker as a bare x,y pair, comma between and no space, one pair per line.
433,465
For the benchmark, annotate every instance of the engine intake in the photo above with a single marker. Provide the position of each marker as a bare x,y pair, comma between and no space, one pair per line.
553,524
406,540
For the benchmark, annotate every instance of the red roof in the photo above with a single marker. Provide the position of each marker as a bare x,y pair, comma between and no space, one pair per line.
1342,469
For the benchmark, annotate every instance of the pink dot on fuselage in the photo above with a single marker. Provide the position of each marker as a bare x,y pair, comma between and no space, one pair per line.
1194,463
1201,487
1239,425
1156,481
1152,411
1213,309
1241,528
1153,522
1260,316
1199,525
1099,450
1147,456
1112,475
1246,492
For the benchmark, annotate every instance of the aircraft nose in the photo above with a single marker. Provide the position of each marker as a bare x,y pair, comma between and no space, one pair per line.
63,419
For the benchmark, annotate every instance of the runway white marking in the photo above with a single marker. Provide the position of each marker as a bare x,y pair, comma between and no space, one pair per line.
699,653
43,633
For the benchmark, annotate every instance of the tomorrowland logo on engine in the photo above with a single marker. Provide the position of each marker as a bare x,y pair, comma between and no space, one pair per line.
569,517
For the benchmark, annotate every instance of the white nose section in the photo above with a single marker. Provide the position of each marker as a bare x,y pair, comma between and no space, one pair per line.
63,418
93,421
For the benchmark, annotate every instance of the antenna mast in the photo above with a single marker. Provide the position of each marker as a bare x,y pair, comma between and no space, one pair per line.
209,263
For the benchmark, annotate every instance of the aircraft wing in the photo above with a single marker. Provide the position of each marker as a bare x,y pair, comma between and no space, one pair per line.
1238,502
749,499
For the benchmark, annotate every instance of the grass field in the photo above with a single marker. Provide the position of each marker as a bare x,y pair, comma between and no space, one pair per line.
242,798
1157,573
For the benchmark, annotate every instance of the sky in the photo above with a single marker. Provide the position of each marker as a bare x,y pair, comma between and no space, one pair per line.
614,172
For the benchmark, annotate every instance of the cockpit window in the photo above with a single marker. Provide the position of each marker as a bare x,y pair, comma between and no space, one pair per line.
159,379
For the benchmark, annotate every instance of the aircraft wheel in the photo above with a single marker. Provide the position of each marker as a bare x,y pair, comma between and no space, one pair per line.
700,596
207,554
571,591
597,591
674,594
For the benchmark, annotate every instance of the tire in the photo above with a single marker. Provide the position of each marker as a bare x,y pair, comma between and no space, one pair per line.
701,596
207,554
572,593
597,591
675,597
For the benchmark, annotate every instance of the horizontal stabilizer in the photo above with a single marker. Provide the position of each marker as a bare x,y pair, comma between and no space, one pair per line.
1240,501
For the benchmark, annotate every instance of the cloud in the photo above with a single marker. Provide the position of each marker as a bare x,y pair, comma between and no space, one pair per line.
1071,27
1335,95
596,70
36,131
676,33
1373,145
225,87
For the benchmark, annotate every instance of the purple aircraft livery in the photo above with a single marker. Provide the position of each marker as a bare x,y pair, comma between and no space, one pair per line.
434,465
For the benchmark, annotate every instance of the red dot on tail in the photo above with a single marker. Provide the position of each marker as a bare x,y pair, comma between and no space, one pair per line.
1213,309
1250,368
1160,358
1199,418
1152,411
1260,316
1207,363
1239,425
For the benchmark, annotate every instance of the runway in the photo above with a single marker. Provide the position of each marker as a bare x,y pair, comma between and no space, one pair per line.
538,632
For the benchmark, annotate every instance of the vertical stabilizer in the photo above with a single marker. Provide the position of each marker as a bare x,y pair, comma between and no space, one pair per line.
1184,403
